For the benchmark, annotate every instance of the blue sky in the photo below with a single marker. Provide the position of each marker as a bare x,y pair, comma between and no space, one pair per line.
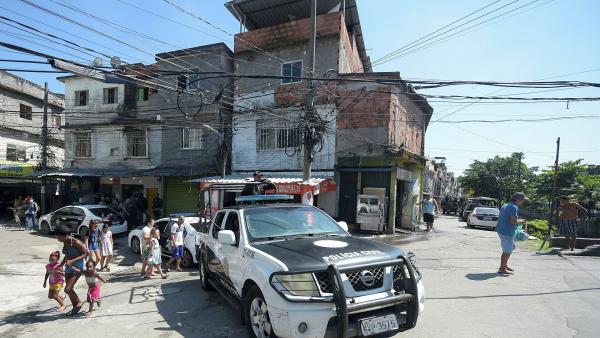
545,39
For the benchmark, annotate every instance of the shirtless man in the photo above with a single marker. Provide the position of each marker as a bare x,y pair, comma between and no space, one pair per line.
569,213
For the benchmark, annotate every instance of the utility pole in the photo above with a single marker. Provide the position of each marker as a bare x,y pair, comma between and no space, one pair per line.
552,195
44,135
309,130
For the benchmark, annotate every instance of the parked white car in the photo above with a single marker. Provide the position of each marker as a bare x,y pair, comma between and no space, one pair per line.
191,228
78,218
483,217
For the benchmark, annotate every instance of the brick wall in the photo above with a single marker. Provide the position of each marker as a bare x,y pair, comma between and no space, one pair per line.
349,60
364,109
288,33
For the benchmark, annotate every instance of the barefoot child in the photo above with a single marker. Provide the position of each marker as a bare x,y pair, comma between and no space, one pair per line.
56,276
91,278
154,258
106,248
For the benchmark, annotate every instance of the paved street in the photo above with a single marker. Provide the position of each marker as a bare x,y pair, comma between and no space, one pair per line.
549,296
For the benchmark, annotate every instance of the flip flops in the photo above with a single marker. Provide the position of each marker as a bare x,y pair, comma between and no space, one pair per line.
74,311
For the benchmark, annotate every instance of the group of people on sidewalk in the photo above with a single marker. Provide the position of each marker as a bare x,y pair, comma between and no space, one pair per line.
151,250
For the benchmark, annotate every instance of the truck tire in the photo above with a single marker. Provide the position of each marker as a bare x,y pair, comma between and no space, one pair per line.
257,314
203,273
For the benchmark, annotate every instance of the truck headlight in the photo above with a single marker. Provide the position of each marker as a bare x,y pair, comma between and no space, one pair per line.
301,285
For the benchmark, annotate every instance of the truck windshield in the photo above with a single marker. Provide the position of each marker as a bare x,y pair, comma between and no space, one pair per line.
283,222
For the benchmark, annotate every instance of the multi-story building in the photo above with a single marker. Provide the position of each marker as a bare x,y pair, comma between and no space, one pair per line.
149,129
370,135
21,114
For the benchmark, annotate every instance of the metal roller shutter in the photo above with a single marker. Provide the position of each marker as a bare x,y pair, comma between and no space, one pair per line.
180,196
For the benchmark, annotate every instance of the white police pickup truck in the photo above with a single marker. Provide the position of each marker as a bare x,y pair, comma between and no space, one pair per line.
294,272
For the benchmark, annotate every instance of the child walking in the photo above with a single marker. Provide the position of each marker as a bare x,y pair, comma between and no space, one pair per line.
93,242
91,278
106,248
56,276
154,259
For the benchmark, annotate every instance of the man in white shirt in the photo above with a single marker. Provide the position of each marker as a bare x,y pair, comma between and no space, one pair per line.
176,244
145,245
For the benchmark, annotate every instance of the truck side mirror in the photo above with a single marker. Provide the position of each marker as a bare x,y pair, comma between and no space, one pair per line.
226,237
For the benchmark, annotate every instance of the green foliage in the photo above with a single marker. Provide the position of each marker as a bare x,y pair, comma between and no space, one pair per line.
586,190
497,177
541,186
537,227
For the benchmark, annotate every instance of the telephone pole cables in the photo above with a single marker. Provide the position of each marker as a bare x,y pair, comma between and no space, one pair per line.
309,129
44,136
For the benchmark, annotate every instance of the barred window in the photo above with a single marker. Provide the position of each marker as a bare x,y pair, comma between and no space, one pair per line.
83,144
273,135
192,138
136,143
142,94
25,111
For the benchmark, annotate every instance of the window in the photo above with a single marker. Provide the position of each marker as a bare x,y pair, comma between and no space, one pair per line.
111,95
191,138
83,145
56,121
182,82
271,135
136,143
217,224
292,69
193,83
142,94
16,153
25,111
81,98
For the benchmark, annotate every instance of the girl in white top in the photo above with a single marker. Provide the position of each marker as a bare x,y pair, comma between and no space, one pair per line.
91,278
106,248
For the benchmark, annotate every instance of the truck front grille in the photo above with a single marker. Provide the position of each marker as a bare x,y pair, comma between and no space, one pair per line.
398,277
325,282
357,279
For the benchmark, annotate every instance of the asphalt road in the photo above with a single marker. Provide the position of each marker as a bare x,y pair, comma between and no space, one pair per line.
549,296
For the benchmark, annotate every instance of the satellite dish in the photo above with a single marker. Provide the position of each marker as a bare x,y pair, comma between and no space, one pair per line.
115,62
97,62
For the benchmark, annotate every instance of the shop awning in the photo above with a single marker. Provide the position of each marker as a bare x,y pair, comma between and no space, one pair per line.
15,169
286,183
67,172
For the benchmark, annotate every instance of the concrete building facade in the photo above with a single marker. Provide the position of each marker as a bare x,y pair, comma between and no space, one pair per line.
150,128
21,114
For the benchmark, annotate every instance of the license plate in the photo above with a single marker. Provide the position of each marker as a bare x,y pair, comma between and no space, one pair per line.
377,325
488,218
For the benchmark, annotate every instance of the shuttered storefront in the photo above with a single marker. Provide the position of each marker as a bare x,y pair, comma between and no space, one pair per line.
180,196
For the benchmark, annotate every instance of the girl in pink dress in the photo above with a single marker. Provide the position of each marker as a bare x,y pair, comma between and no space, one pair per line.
91,278
55,275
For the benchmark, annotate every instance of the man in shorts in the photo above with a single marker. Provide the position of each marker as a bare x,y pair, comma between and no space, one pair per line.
430,206
569,214
506,227
176,244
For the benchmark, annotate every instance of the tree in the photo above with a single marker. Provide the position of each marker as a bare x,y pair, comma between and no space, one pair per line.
566,179
586,191
498,177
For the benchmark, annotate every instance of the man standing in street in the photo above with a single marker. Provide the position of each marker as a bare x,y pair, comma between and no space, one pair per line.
569,214
176,244
157,204
430,206
31,213
506,227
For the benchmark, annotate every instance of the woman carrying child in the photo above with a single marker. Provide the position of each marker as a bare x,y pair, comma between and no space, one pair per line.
75,252
154,258
106,248
91,278
56,276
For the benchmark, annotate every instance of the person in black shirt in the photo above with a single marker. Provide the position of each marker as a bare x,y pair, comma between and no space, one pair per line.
157,204
259,185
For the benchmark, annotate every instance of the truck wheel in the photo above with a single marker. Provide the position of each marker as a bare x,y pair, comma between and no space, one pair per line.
135,245
187,261
204,284
257,314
